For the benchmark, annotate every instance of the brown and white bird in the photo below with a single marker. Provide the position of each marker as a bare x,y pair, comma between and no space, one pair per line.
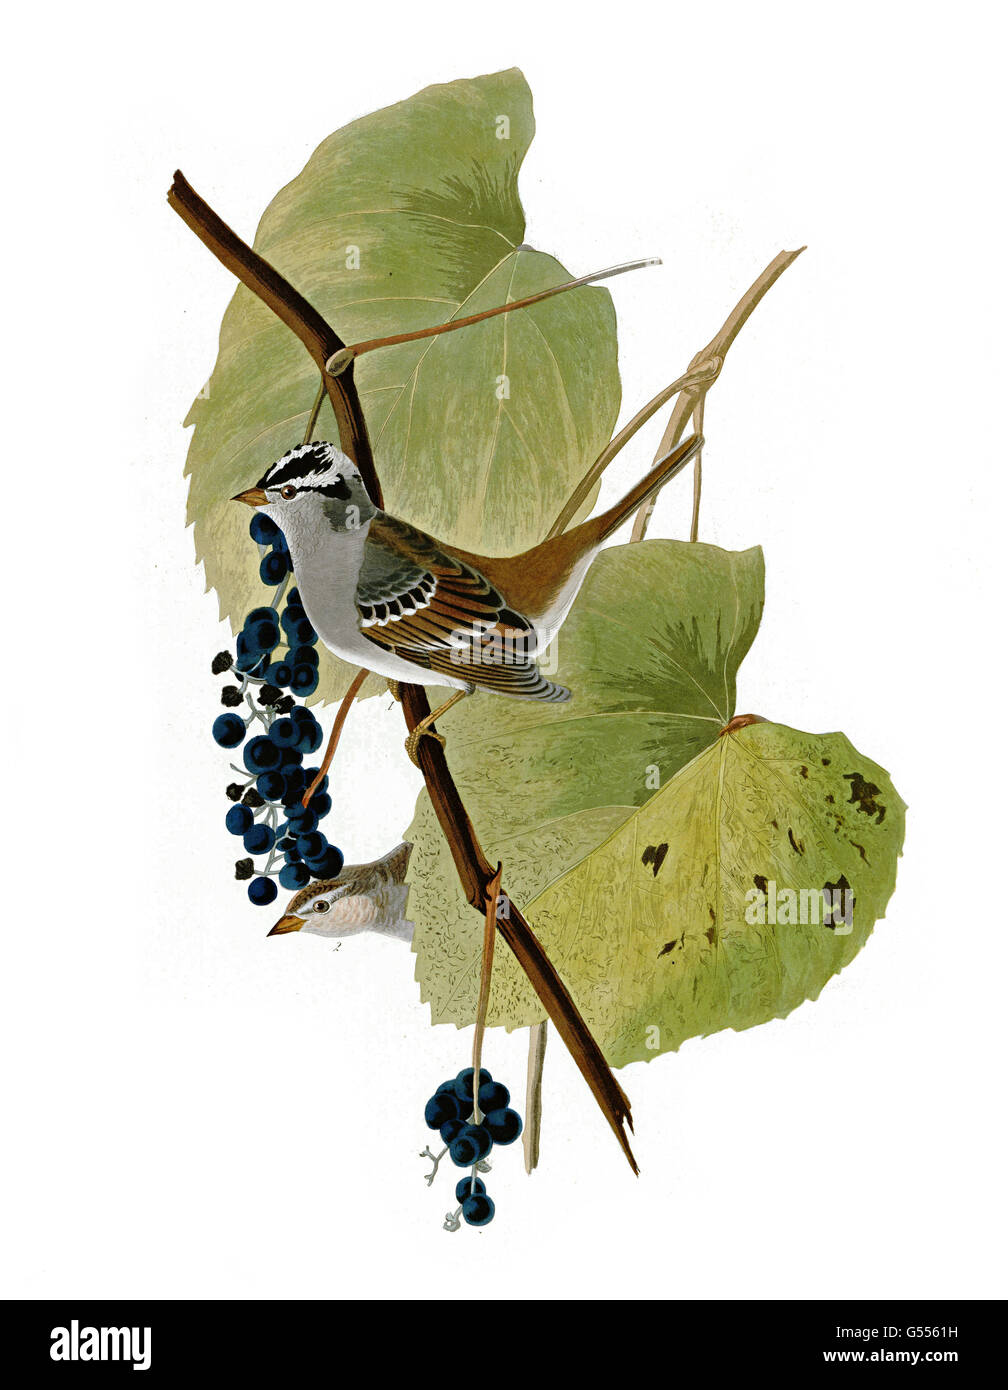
364,897
384,595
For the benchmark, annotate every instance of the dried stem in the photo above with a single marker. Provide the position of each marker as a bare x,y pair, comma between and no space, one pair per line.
692,397
486,971
475,874
533,1094
340,360
705,371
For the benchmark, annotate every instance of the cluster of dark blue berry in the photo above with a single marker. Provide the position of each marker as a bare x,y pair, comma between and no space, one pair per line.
469,1129
277,734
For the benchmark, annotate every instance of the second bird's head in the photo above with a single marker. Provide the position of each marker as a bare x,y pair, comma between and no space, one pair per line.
313,489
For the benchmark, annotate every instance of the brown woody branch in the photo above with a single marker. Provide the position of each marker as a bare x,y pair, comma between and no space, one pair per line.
475,874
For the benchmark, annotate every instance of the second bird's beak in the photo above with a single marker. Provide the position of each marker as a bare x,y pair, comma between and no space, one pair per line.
253,496
286,924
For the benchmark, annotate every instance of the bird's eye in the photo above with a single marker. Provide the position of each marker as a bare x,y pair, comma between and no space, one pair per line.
288,492
321,906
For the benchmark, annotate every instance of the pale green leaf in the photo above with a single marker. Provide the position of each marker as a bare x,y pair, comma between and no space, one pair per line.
404,219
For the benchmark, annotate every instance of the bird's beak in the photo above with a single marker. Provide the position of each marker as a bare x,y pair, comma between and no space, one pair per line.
286,924
253,496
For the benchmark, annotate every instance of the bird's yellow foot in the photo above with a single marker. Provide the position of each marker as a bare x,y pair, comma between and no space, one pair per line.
414,737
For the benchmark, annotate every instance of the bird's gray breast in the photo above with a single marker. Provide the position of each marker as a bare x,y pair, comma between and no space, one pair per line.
327,573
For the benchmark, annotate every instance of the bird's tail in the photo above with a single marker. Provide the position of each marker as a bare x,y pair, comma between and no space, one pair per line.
665,469
396,862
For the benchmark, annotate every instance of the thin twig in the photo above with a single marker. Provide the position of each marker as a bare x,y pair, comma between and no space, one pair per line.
320,396
706,371
692,396
337,729
339,361
533,1094
698,416
475,874
486,973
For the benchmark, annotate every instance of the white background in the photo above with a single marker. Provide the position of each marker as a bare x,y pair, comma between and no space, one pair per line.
190,1109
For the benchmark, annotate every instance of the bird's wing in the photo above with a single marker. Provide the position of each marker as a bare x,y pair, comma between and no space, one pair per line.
431,608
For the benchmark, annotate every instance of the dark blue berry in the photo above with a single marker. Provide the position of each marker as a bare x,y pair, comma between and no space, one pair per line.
259,839
284,733
262,530
304,681
293,876
280,673
493,1096
261,755
300,630
273,567
301,819
504,1126
450,1131
238,820
464,1082
472,1143
330,864
321,804
478,1210
439,1109
261,637
303,656
270,785
228,730
311,845
262,891
469,1187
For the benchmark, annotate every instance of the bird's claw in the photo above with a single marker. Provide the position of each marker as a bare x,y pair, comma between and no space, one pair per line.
413,740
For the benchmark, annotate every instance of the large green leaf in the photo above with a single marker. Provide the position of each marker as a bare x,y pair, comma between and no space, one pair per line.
650,652
406,218
681,923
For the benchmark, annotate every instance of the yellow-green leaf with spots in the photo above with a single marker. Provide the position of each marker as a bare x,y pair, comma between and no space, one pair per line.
731,896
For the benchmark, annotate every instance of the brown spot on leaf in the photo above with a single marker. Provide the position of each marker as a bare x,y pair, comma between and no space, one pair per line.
797,845
830,798
760,882
669,946
865,796
803,770
711,934
825,762
655,856
838,903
